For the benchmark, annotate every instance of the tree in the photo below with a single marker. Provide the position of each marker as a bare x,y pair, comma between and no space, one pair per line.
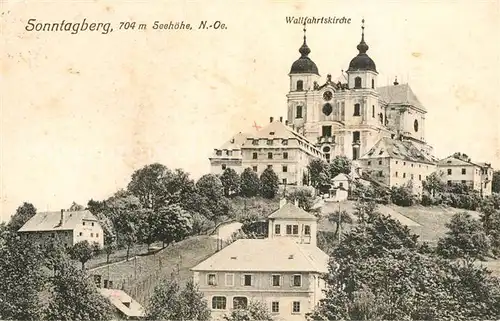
147,226
465,239
495,182
168,302
434,183
490,218
96,207
269,183
231,181
304,196
315,168
22,215
340,165
339,218
23,278
76,207
173,224
254,311
149,184
403,195
73,296
110,242
380,272
250,183
82,252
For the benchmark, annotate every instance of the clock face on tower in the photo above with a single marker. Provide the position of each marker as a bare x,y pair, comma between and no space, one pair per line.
327,95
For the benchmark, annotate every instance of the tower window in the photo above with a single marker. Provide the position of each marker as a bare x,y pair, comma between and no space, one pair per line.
355,137
327,109
326,131
357,82
449,171
357,110
355,153
373,83
373,111
415,125
254,156
298,113
300,85
381,118
285,155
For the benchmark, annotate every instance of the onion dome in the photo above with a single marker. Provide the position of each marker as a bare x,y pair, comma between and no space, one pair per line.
362,61
304,65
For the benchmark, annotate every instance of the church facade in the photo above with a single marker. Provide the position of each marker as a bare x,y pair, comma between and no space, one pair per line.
350,116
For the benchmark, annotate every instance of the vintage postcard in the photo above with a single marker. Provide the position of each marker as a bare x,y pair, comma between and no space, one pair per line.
251,160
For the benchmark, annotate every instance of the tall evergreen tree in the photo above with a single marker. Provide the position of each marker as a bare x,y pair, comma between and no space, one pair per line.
269,183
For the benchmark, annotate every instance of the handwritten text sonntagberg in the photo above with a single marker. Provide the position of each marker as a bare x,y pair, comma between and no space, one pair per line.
74,28
313,20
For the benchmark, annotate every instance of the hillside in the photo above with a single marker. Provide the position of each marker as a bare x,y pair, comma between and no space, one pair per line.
141,274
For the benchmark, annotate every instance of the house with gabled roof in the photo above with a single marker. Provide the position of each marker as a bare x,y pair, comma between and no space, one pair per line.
283,270
228,155
477,176
395,162
68,227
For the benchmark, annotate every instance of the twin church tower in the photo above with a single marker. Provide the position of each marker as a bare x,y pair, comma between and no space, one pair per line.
348,115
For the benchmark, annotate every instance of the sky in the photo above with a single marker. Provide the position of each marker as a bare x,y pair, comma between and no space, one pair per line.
81,112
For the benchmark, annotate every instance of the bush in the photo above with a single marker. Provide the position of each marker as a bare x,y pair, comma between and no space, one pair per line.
402,195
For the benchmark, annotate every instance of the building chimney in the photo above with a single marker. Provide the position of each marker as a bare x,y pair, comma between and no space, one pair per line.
271,119
62,217
396,81
282,202
281,119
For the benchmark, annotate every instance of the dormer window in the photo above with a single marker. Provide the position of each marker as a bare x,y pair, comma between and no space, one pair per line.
284,142
269,141
271,133
218,153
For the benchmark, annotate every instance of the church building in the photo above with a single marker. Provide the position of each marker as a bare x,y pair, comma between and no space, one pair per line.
351,115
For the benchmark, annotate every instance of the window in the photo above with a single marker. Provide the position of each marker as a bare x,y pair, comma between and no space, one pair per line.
326,131
296,307
229,153
254,168
463,182
247,280
285,169
269,155
412,165
219,302
224,166
355,152
285,155
240,302
83,223
284,142
80,234
96,234
380,162
284,181
404,163
419,177
218,153
396,174
357,110
91,234
411,176
297,280
373,83
288,229
357,82
369,163
229,279
276,280
373,111
255,142
298,112
404,175
307,228
295,230
269,141
449,183
327,156
341,184
275,307
327,109
464,171
277,229
254,155
355,137
211,279
92,223
449,171
300,85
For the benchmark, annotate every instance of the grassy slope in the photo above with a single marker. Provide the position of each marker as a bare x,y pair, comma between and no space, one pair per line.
140,275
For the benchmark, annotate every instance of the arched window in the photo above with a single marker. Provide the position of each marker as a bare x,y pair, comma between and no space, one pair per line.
373,83
357,110
240,302
357,82
300,85
298,113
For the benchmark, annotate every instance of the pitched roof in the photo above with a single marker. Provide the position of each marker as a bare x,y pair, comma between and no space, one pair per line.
118,298
399,95
235,142
267,255
393,148
50,221
341,177
291,212
453,161
277,129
